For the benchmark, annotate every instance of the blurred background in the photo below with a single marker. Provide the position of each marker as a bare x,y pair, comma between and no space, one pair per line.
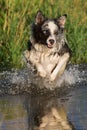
16,17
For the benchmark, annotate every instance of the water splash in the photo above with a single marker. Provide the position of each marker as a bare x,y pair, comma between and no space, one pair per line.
18,81
70,77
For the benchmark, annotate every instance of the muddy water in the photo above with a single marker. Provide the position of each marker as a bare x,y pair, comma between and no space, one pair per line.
21,112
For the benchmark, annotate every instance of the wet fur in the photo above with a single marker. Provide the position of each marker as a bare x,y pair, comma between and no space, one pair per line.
47,49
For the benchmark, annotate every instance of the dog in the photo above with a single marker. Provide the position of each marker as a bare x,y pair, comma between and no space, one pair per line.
47,49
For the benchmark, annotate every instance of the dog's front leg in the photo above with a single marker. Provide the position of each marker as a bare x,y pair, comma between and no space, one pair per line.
33,57
41,71
51,62
60,67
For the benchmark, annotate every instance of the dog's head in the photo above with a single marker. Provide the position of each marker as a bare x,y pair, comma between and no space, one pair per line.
48,31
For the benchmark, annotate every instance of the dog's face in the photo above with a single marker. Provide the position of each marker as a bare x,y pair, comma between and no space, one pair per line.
48,31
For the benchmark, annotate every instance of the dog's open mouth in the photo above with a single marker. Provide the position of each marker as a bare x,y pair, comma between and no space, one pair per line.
49,45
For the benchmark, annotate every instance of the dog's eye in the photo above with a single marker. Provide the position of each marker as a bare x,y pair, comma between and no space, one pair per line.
56,32
46,32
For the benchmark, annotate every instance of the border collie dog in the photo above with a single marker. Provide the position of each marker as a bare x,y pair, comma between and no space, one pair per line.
48,50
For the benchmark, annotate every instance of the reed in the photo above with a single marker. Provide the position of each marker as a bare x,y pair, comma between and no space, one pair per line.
17,15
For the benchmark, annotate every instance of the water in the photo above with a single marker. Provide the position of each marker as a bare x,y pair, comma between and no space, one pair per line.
23,111
77,108
22,81
19,112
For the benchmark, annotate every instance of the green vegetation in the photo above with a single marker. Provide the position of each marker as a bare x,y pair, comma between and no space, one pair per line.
17,15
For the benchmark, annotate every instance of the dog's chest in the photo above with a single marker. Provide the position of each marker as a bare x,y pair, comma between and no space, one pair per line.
47,59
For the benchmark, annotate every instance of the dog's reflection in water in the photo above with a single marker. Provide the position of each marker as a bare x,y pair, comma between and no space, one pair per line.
52,117
55,119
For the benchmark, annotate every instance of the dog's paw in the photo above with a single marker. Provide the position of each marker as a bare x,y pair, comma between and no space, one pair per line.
52,78
40,70
42,74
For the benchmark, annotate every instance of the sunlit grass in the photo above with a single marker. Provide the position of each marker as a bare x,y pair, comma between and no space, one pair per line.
17,15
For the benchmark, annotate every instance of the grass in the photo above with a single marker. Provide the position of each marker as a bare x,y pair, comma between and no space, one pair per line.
17,15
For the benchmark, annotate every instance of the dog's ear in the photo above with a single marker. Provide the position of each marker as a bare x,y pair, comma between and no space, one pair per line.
62,20
39,17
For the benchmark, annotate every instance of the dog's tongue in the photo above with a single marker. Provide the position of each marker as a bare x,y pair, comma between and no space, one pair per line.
50,45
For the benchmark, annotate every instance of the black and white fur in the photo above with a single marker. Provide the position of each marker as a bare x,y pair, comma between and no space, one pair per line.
48,50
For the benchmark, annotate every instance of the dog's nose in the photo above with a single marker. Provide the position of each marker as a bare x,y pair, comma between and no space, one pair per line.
51,41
